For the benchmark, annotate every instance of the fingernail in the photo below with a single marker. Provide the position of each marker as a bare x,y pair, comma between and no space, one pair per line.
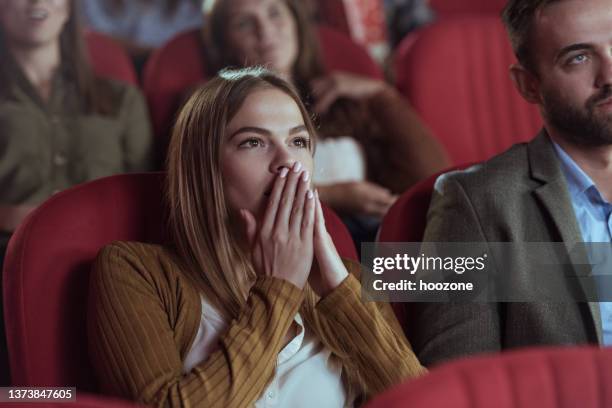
310,195
297,166
305,176
283,172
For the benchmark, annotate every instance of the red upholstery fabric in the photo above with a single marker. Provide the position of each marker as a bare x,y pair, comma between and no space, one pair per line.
406,221
456,76
46,273
332,13
109,59
341,53
537,378
47,264
179,65
445,7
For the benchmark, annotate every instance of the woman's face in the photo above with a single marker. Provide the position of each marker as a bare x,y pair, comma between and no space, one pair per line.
266,134
32,23
263,32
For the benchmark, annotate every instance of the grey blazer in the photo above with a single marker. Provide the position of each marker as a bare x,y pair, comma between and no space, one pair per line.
518,196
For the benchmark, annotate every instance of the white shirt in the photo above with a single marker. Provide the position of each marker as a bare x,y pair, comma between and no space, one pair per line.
306,375
338,160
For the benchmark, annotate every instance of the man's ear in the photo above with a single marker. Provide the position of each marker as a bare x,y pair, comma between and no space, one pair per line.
526,83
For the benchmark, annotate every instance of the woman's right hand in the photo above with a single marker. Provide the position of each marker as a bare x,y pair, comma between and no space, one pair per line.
282,241
358,197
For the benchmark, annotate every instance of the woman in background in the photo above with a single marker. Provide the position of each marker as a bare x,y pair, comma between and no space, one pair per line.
251,304
372,145
59,124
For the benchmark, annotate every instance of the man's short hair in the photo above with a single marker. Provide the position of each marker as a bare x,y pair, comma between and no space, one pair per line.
518,16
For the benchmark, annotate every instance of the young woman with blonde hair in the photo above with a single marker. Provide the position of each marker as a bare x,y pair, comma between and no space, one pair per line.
251,304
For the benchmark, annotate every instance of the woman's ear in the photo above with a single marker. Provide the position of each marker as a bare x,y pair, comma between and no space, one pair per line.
526,83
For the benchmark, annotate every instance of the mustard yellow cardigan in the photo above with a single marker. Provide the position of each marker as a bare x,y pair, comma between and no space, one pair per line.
144,314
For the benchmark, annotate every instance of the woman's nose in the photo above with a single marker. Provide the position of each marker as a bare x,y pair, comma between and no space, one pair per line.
265,32
287,164
283,158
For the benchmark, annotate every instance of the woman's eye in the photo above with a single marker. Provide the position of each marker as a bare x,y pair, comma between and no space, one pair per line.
274,12
250,143
244,23
302,142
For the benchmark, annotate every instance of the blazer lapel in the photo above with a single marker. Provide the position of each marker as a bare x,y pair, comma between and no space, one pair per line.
555,197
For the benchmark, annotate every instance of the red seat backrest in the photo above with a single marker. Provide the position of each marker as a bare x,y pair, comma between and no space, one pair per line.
407,218
341,53
179,65
46,271
333,13
456,77
109,59
534,378
446,7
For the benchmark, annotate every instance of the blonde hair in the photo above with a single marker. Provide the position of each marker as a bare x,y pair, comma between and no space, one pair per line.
198,214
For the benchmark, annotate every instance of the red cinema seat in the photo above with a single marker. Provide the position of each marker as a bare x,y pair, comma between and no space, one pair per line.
179,66
109,59
333,14
449,7
406,219
534,378
456,77
46,271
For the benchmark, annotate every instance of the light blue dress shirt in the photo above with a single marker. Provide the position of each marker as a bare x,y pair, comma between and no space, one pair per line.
593,215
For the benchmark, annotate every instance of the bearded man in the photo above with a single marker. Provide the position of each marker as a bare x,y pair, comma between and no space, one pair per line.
556,188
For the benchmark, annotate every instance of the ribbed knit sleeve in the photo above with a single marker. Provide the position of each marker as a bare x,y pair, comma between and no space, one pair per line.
371,334
133,336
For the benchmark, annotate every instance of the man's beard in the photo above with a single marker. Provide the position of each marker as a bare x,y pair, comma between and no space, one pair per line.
581,127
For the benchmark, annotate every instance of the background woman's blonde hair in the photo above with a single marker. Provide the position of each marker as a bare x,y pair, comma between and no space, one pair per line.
199,218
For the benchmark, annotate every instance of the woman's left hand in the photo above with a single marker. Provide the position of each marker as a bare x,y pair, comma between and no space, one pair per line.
328,89
328,271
